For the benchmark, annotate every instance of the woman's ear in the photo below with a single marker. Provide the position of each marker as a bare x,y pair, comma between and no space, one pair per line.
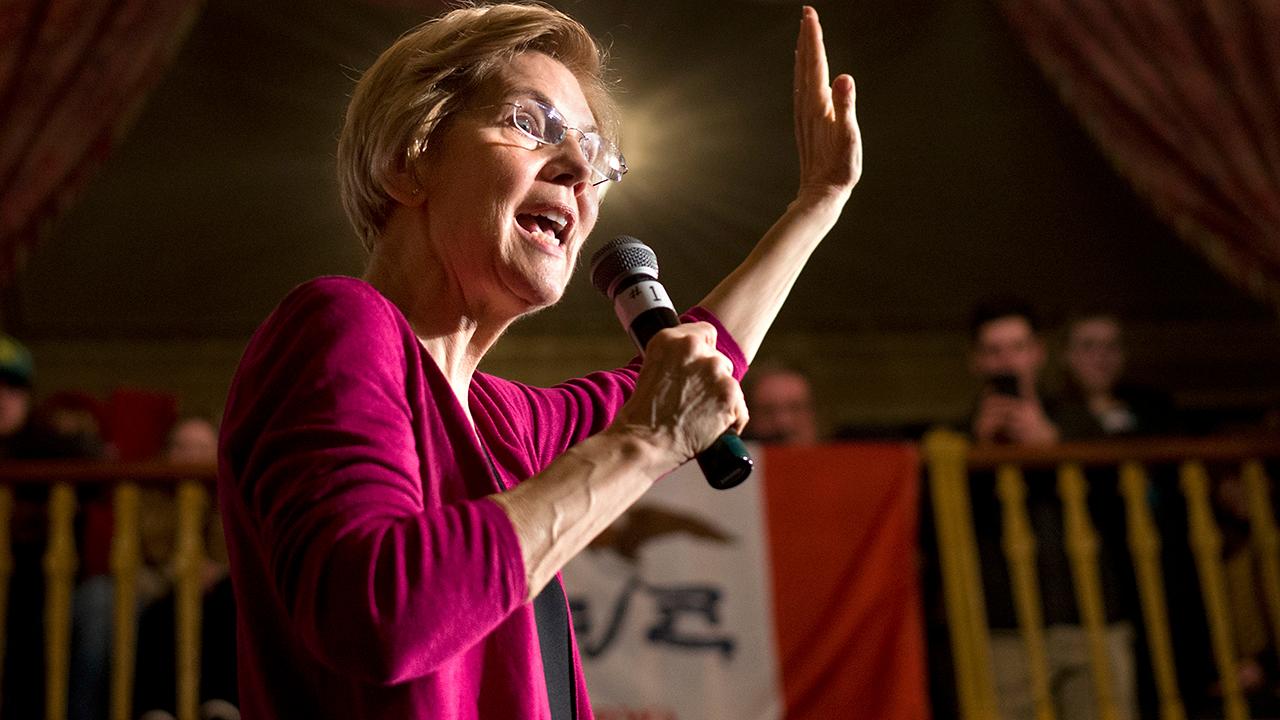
404,186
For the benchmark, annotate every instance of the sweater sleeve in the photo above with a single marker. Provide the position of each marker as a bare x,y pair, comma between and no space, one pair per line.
567,413
380,572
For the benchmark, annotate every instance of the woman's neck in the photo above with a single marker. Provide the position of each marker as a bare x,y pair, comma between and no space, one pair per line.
453,334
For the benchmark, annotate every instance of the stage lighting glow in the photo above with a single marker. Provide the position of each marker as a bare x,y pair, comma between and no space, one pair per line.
691,156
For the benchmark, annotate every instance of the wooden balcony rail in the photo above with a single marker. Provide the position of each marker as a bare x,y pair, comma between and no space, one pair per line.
191,484
950,459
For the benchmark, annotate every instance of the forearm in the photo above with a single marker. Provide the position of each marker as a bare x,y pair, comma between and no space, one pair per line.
748,300
557,512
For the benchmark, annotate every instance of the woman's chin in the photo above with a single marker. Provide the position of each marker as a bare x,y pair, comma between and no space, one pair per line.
533,293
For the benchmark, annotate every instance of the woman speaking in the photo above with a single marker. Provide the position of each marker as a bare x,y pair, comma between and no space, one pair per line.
395,519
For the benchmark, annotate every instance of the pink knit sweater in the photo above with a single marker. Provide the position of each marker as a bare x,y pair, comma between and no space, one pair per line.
372,578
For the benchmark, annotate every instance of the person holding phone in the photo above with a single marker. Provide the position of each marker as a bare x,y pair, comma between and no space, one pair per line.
1008,355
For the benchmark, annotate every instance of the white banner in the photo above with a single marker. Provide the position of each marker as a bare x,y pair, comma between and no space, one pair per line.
672,606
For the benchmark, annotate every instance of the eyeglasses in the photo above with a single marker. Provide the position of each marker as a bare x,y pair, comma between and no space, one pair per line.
544,124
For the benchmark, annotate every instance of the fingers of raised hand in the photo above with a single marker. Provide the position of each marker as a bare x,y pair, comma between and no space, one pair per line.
826,123
811,72
844,95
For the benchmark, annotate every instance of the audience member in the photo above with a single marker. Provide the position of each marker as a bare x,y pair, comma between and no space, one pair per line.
1097,401
1008,356
69,425
1245,589
780,401
65,426
16,370
193,440
23,676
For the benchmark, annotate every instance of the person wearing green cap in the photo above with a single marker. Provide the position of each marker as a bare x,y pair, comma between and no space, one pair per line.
27,530
16,371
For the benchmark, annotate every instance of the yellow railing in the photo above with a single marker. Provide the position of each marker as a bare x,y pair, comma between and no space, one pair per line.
191,484
950,460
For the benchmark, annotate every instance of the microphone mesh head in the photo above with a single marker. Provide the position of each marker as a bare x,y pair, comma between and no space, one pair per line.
619,258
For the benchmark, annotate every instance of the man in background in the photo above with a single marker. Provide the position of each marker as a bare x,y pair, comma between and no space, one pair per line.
780,401
1007,357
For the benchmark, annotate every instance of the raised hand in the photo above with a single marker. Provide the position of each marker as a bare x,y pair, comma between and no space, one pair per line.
827,134
830,147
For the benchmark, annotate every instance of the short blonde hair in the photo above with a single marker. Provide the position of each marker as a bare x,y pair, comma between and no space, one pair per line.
435,69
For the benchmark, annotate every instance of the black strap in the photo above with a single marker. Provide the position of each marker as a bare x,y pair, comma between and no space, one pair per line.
551,616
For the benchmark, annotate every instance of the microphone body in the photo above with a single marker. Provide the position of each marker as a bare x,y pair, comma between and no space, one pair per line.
626,271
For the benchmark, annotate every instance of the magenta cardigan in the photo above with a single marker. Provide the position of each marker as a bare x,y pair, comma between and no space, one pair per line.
372,578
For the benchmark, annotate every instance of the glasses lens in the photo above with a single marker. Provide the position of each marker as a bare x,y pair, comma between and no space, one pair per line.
553,125
591,145
610,163
544,123
527,121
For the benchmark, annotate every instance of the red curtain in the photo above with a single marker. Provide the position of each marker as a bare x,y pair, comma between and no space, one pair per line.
1184,97
72,75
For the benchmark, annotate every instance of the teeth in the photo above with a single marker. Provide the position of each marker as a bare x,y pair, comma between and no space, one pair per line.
556,218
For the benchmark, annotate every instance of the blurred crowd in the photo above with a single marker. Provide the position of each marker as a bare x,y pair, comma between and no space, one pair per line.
1025,395
130,425
1097,400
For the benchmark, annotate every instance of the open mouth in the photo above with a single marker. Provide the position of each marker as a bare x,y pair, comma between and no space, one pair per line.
549,223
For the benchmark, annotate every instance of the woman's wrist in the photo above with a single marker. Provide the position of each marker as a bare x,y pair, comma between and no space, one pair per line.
651,449
820,201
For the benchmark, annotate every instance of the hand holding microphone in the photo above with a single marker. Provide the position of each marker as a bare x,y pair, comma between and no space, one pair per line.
686,388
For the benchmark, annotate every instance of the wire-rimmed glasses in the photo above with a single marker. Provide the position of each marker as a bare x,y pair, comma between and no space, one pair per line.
544,124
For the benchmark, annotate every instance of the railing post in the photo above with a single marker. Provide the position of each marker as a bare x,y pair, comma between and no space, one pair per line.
1266,540
1082,550
126,556
189,566
1144,545
60,577
1020,549
1206,543
962,586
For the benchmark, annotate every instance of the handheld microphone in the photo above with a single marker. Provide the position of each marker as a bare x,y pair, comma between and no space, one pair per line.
626,271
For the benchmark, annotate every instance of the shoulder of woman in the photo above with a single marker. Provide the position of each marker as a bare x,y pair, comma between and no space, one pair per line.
325,319
337,302
332,290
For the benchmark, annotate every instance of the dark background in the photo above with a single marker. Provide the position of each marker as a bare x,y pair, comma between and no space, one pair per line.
977,180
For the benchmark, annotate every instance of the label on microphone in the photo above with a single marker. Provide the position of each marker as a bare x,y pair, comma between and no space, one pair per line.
644,295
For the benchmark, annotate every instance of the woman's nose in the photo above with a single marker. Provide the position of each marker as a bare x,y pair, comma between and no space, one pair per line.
570,165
